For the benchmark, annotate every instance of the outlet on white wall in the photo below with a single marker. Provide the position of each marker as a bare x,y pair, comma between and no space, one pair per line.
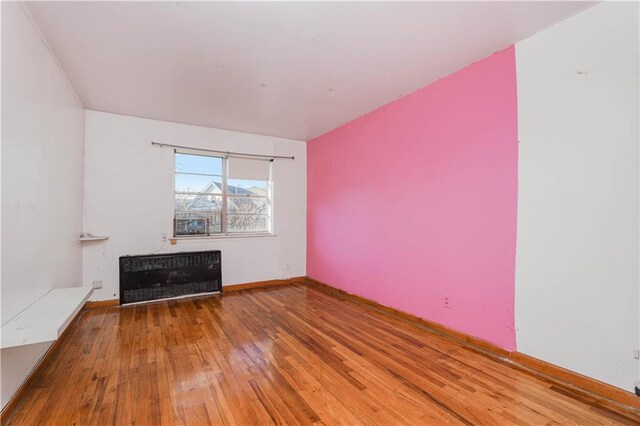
96,284
163,238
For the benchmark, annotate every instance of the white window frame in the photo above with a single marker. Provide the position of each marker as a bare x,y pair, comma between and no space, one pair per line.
224,233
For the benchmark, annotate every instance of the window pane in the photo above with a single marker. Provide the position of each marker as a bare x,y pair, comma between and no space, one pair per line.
247,223
197,183
247,205
197,203
188,163
247,187
198,223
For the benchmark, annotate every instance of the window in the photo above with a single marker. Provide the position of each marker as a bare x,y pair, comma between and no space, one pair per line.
221,196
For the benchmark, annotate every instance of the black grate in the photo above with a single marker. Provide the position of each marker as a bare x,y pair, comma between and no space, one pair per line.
159,276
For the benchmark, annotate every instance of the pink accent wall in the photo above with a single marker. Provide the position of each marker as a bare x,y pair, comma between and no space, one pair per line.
416,202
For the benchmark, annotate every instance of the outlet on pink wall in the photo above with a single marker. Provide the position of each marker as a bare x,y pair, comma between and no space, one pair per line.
414,204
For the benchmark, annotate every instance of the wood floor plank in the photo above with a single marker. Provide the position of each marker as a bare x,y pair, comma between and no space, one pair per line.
281,355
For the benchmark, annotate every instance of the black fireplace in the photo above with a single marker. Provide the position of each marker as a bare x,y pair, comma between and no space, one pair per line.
160,276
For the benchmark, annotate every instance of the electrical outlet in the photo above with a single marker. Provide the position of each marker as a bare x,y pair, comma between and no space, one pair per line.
96,284
287,266
163,238
446,302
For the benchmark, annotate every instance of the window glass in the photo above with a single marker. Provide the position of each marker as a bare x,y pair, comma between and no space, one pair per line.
247,205
208,201
189,163
198,183
247,223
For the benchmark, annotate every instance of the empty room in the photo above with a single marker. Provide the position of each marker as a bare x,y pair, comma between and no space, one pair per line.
328,213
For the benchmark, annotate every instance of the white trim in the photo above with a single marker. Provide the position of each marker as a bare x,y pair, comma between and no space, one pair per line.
224,237
225,200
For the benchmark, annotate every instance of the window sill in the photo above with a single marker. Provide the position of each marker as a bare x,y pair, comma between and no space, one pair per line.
223,237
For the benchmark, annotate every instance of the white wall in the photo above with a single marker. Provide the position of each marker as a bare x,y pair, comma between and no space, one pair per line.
42,168
577,247
129,197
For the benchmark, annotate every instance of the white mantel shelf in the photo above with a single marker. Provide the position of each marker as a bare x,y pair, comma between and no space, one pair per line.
46,319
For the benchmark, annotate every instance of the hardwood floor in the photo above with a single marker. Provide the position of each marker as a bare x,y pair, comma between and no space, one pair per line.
285,355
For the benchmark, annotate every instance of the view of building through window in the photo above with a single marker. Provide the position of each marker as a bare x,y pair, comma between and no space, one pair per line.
215,195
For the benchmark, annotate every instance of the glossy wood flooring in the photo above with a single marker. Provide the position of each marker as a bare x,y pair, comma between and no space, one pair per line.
284,355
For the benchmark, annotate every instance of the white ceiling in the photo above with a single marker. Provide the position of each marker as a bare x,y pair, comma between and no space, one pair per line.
294,70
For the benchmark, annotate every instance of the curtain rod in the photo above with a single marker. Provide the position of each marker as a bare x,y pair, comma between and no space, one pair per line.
281,157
